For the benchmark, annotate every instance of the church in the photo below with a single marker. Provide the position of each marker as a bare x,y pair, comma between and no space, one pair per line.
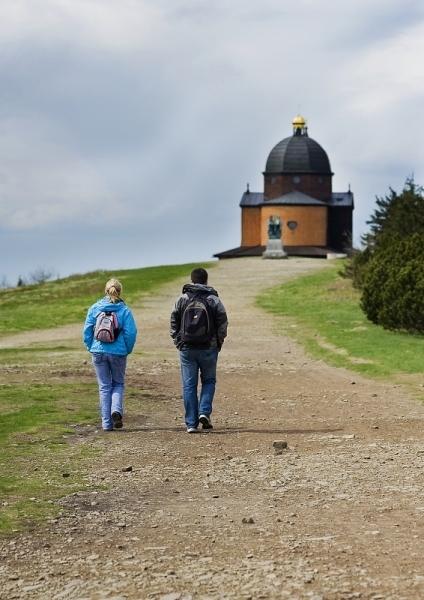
298,189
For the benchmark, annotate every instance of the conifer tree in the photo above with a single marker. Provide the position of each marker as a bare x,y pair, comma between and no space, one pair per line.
395,217
391,274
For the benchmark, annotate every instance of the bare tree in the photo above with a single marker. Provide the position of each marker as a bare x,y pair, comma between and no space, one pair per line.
3,282
40,275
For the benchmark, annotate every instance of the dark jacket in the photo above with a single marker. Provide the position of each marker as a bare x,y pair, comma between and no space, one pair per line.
217,309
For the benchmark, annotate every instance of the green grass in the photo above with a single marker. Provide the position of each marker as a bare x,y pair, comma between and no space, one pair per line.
322,312
35,421
66,300
25,407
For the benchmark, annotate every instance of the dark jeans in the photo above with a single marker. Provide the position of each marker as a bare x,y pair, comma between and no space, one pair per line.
195,361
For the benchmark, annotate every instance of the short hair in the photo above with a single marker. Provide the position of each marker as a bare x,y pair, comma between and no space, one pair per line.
199,276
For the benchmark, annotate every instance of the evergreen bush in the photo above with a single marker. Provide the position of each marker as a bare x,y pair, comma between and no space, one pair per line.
393,287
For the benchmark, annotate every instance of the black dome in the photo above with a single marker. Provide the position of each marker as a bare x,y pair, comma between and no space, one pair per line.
298,154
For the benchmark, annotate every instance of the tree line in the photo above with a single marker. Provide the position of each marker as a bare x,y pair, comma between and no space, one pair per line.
40,275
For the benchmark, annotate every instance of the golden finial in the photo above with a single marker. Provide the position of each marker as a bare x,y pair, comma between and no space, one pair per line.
299,120
299,125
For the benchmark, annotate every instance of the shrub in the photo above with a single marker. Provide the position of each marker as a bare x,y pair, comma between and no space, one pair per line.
393,287
355,267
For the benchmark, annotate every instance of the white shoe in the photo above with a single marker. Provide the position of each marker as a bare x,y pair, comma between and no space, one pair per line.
191,429
206,422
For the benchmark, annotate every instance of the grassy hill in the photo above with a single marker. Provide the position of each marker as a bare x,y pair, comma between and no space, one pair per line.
66,300
48,392
322,312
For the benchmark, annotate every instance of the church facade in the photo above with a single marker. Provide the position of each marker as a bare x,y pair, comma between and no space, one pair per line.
298,189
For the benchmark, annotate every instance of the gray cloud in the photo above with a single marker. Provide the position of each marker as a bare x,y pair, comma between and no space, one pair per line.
146,119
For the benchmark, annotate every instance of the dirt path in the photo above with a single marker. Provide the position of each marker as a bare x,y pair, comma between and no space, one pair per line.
339,515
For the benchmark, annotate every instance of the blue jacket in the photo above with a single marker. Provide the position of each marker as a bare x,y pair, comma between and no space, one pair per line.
125,341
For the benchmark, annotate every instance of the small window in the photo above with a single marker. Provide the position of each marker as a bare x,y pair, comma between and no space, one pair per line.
320,179
296,179
292,225
273,179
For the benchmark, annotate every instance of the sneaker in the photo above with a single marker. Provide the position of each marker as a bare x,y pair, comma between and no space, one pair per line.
206,422
191,429
117,420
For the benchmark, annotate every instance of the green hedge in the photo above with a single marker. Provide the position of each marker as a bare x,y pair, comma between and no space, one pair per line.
393,289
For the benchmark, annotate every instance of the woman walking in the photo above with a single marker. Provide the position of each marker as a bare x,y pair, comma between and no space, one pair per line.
109,334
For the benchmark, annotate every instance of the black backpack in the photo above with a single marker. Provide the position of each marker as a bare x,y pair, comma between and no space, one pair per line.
197,322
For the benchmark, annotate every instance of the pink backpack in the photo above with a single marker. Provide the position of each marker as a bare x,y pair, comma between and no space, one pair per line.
107,327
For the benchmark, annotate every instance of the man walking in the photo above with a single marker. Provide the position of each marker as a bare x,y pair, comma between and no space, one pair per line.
198,328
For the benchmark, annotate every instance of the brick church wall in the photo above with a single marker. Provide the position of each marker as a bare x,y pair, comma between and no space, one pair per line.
316,186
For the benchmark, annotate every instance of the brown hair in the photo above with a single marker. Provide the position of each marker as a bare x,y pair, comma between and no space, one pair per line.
113,289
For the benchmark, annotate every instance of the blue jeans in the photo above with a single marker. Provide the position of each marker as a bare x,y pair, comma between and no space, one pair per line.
110,372
193,361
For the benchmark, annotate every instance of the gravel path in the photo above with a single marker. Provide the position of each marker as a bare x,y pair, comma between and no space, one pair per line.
337,515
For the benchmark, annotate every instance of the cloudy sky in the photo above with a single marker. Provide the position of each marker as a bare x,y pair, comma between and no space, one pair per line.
129,128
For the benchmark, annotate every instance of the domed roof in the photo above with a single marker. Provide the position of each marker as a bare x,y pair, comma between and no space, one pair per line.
298,153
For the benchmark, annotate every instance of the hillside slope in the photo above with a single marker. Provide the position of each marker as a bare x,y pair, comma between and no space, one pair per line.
220,515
